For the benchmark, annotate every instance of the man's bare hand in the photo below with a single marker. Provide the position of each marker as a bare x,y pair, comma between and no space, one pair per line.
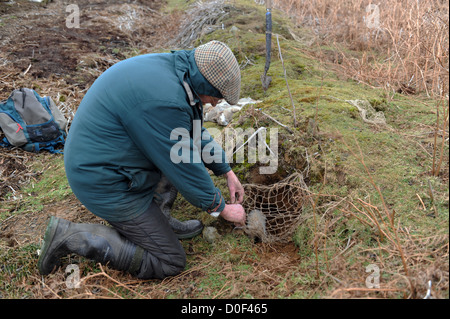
235,187
234,213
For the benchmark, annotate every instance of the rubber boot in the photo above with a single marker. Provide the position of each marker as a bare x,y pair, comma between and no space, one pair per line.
97,242
167,196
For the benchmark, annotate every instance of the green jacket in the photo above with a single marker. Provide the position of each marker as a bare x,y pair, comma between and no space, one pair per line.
120,139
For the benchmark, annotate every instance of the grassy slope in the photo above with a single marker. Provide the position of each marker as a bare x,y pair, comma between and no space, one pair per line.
398,164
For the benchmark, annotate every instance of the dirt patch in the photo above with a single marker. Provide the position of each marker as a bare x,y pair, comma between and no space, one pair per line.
38,41
255,177
13,168
29,228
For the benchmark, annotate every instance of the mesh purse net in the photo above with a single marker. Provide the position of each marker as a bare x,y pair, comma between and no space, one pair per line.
274,212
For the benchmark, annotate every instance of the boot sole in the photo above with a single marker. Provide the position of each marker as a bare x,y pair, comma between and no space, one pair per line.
48,238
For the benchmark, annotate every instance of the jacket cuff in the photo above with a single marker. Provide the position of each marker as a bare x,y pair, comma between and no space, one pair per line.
217,205
222,171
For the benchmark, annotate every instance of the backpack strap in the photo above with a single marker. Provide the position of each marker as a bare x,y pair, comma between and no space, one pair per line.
48,146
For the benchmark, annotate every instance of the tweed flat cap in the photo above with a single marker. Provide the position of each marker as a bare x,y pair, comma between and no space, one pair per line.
219,66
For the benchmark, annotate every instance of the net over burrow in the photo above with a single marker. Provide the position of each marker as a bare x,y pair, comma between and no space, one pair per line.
275,211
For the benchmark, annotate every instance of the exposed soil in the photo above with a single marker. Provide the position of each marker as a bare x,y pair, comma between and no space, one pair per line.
11,172
38,41
29,228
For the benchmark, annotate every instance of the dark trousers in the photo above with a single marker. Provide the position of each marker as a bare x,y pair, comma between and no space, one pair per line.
163,253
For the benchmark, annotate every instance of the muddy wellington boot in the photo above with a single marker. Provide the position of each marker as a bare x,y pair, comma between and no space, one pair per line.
166,198
100,243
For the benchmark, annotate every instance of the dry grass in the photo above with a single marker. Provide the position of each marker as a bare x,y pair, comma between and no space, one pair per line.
202,18
413,265
408,262
403,44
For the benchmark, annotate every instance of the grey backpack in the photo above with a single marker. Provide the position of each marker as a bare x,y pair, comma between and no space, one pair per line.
32,122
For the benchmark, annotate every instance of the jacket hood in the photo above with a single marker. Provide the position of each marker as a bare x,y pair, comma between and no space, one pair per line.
187,71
